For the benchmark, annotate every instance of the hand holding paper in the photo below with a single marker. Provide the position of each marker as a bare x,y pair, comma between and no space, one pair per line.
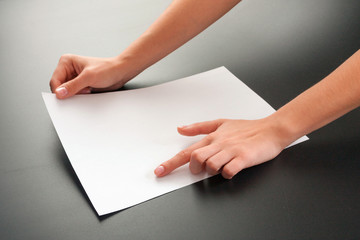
179,23
81,75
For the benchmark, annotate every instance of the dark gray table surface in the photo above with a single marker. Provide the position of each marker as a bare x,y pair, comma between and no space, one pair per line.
278,48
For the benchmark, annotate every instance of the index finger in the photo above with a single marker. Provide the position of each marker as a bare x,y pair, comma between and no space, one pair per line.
58,77
60,74
179,159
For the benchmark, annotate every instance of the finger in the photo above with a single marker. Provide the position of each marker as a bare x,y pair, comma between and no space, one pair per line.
178,160
86,90
233,167
114,87
200,156
64,71
216,162
200,128
59,77
72,87
100,90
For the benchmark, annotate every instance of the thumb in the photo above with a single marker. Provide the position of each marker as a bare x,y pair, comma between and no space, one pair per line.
200,128
71,87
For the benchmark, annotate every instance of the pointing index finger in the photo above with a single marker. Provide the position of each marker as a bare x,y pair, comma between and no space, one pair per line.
178,160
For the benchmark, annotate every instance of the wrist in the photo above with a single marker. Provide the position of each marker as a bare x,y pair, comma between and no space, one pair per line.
287,129
126,66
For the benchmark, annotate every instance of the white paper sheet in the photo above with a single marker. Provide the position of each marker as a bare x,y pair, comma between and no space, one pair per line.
115,140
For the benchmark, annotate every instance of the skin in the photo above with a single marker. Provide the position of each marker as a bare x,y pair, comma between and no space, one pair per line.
232,145
229,145
179,23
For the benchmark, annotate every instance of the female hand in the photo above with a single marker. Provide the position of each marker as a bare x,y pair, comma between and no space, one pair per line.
229,147
80,75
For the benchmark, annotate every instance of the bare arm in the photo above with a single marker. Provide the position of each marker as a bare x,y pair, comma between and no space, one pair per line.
183,20
180,22
326,101
232,145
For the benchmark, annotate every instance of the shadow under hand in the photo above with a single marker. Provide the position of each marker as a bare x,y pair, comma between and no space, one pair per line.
242,183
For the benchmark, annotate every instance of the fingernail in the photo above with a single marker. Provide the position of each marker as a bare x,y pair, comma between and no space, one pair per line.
184,126
62,91
159,170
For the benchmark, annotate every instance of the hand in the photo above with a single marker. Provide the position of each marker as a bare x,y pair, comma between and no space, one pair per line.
80,75
229,147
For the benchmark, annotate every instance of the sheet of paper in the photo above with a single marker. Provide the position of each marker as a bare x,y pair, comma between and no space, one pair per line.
115,140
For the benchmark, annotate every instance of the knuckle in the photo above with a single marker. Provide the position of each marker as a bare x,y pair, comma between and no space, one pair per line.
88,71
210,137
212,165
183,154
91,74
196,155
65,57
247,156
221,120
197,161
228,172
244,153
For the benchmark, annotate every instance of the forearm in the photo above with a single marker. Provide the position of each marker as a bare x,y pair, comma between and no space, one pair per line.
326,101
180,22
